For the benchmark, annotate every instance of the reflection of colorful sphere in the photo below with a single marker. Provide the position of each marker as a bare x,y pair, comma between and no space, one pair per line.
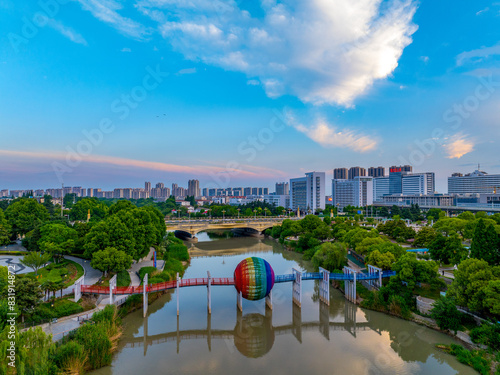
254,278
254,335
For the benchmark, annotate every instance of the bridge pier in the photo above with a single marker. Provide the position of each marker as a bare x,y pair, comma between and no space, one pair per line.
145,296
372,270
269,300
145,334
239,301
324,286
350,286
112,285
297,288
78,288
209,294
177,293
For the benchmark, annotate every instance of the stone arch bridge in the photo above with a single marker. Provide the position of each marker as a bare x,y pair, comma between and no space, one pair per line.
193,227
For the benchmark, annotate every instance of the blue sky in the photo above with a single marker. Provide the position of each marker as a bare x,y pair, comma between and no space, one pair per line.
112,93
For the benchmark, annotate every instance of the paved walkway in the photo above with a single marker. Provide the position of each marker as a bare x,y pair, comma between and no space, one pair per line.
134,270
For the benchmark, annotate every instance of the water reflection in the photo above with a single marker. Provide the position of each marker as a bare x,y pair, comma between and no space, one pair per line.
339,338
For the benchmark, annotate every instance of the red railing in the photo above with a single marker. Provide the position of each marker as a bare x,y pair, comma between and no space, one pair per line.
94,289
222,281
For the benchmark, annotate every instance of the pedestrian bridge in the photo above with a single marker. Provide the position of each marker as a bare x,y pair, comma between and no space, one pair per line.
193,227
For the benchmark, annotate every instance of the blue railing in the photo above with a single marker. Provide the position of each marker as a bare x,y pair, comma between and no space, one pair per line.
333,276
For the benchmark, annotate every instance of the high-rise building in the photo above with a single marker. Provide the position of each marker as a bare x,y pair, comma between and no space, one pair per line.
418,184
247,191
380,187
147,186
282,188
160,185
475,182
193,188
356,192
340,174
355,172
118,193
376,172
308,193
396,174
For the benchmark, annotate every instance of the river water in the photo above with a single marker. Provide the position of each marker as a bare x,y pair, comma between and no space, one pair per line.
314,339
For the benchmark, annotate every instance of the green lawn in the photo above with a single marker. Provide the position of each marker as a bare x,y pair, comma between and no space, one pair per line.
427,292
66,270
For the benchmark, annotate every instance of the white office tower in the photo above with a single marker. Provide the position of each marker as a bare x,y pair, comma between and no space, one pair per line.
308,193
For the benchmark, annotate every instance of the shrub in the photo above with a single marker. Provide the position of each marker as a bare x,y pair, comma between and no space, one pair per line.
146,270
487,334
446,315
70,357
472,358
94,338
178,251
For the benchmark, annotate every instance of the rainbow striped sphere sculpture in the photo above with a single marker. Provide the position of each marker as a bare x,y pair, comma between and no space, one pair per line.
254,278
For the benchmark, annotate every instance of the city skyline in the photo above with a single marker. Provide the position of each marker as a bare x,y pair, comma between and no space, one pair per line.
154,99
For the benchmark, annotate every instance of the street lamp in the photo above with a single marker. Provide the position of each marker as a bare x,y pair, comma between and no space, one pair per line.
239,209
255,212
223,217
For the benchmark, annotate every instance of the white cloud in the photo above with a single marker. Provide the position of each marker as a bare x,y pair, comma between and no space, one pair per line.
425,59
458,145
68,32
322,51
478,55
482,11
187,71
253,82
327,135
107,11
125,49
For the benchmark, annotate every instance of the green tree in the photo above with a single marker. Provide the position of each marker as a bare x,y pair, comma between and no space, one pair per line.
111,259
330,256
57,239
111,232
28,295
35,260
5,230
434,214
471,280
446,314
381,260
366,243
388,247
80,210
25,214
424,237
485,244
492,297
411,270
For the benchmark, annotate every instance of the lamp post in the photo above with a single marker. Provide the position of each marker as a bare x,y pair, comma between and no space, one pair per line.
223,215
255,212
239,209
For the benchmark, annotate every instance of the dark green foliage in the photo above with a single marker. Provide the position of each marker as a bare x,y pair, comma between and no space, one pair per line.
178,251
330,256
397,229
446,315
485,243
473,358
26,214
146,270
487,334
94,338
67,353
